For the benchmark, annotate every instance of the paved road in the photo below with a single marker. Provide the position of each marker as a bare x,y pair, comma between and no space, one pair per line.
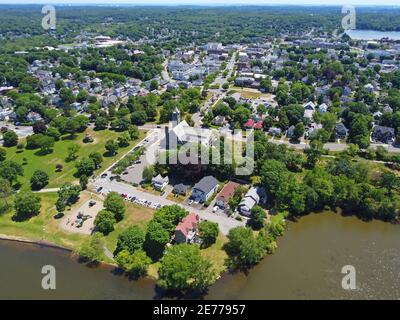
225,223
164,72
217,94
22,131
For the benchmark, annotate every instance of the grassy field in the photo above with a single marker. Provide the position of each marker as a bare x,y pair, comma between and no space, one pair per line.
216,254
44,226
35,161
135,215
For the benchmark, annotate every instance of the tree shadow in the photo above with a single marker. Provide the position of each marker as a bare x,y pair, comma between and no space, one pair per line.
109,154
69,137
294,141
41,153
89,263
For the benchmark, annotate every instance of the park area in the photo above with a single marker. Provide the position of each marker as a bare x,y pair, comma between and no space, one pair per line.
32,160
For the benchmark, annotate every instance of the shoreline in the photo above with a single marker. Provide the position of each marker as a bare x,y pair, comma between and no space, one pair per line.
42,243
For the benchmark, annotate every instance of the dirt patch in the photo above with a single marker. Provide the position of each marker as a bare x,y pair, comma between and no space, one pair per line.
81,220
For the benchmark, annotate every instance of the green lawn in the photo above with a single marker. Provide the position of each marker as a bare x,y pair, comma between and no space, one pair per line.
135,215
216,254
58,156
42,227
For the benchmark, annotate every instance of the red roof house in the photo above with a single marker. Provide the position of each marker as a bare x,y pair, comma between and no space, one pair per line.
249,123
226,193
186,230
252,124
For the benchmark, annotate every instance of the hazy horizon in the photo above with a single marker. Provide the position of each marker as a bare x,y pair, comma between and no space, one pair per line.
210,2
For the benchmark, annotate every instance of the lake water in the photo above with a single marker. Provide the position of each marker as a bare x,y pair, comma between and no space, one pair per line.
373,35
306,265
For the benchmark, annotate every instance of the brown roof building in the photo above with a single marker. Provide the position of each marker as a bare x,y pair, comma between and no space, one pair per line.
226,193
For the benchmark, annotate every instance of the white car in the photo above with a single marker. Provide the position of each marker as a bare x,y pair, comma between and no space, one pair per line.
215,209
190,202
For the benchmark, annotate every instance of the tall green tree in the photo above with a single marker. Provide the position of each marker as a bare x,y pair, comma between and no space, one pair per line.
183,268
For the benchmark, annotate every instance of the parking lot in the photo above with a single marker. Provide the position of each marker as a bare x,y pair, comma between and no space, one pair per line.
133,174
130,193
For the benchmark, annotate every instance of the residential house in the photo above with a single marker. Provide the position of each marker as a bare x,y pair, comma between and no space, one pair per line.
290,132
309,109
323,108
181,189
109,100
369,87
159,183
204,189
244,81
312,128
219,120
387,109
251,124
340,131
186,230
33,117
254,196
274,131
383,134
226,194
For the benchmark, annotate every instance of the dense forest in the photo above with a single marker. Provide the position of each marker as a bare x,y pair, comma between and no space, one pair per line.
180,25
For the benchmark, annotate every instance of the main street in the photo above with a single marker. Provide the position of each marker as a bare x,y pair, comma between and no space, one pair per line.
216,94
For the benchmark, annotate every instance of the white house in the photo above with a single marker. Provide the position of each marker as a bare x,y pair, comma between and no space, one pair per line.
323,108
309,109
253,197
159,183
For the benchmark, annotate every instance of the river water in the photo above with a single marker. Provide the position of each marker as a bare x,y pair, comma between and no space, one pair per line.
307,265
372,34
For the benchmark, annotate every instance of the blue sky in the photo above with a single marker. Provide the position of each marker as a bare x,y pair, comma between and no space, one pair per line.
212,2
